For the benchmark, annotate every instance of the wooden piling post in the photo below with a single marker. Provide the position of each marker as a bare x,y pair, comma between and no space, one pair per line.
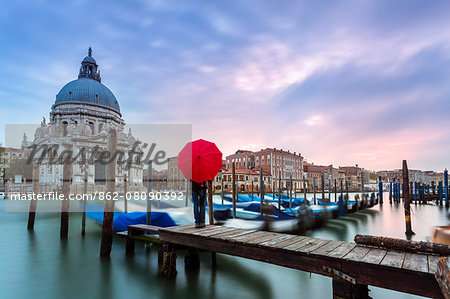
125,190
211,216
67,181
304,191
407,199
169,261
335,191
221,189
440,192
446,187
329,189
261,189
390,192
380,189
233,175
323,187
210,203
342,194
33,202
290,193
252,190
279,189
149,190
345,289
85,185
108,214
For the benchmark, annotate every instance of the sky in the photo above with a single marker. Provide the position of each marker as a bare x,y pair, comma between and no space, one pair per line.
341,82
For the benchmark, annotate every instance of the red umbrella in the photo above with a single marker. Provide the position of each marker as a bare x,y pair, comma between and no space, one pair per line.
200,160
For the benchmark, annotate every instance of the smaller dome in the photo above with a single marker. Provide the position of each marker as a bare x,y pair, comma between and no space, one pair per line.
89,59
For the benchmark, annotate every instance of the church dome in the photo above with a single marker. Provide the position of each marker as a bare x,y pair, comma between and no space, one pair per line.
88,87
85,90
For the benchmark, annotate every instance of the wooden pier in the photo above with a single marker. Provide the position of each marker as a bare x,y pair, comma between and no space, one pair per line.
353,267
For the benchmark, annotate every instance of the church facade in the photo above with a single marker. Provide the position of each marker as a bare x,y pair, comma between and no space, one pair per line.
83,113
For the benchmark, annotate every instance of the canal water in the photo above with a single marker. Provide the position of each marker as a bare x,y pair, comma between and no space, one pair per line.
39,265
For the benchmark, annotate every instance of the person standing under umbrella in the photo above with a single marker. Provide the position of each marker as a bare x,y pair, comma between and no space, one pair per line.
199,161
199,199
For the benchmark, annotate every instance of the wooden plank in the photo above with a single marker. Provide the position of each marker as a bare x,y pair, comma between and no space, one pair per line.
357,253
328,248
212,232
312,245
415,262
237,234
294,246
265,238
277,240
144,227
287,242
433,261
179,228
374,256
230,232
248,237
393,259
342,250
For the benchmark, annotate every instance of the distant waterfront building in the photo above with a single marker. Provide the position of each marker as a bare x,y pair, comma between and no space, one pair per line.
245,179
313,175
278,163
83,112
8,155
414,175
175,178
353,176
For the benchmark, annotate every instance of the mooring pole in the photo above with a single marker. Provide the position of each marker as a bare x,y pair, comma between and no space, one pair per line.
85,183
279,189
233,175
33,202
261,189
149,190
304,191
380,189
329,189
108,214
342,195
446,187
407,198
335,191
290,192
125,190
252,190
211,217
440,192
210,203
314,190
322,181
390,192
221,189
67,181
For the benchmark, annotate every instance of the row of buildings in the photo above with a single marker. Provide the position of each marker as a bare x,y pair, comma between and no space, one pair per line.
280,169
415,175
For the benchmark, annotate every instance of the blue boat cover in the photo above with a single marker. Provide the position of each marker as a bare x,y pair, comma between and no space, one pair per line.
122,220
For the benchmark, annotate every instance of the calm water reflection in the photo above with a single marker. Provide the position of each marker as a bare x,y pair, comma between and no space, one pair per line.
39,265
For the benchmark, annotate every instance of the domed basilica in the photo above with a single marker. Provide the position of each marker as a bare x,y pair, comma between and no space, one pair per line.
80,118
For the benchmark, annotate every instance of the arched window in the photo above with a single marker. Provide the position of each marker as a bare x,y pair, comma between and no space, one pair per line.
64,124
91,125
